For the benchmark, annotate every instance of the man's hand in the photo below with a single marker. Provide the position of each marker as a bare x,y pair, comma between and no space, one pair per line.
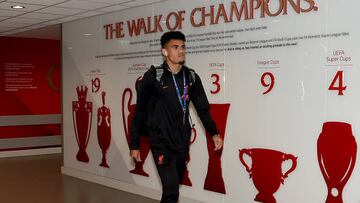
218,141
135,154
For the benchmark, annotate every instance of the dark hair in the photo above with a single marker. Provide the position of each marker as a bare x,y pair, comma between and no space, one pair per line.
167,36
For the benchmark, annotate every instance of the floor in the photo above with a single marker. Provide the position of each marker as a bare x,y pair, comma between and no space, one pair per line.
37,179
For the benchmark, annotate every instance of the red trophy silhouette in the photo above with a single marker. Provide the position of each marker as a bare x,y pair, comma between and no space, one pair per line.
336,156
214,180
186,179
82,116
266,171
104,130
144,143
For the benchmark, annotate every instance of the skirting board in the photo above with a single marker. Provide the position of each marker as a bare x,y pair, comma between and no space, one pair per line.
31,152
135,189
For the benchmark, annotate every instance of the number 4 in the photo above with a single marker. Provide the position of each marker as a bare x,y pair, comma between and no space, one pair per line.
338,77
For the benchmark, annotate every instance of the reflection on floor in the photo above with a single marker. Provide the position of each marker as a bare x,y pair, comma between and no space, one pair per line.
37,179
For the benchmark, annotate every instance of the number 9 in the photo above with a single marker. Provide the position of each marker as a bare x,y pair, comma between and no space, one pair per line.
271,84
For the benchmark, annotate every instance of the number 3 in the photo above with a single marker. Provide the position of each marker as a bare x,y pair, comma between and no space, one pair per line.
216,83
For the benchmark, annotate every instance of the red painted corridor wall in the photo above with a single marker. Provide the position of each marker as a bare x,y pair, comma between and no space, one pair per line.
29,83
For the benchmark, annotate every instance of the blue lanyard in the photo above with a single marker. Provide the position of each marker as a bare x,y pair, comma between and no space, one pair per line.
182,99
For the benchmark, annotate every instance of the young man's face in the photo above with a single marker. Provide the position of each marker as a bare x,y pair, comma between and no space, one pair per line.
174,51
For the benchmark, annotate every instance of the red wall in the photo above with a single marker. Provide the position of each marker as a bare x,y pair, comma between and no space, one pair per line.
29,83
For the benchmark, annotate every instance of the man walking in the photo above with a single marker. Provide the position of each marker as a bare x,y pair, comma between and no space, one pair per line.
162,109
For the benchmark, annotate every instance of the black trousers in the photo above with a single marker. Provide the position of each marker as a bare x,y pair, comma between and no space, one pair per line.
171,167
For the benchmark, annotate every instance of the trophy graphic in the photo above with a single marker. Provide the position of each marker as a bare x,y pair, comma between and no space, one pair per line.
266,171
336,150
82,116
214,180
186,179
104,130
144,143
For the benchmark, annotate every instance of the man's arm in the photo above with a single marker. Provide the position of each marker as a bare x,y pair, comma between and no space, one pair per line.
201,104
146,88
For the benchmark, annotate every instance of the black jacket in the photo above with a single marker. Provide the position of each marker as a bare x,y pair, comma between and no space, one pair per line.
158,109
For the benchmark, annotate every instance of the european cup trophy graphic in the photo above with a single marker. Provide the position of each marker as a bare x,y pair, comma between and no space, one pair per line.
104,130
144,143
214,180
82,117
336,150
266,171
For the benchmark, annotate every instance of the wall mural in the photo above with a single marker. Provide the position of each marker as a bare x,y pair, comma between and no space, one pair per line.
129,110
104,130
266,171
336,150
214,178
82,119
286,69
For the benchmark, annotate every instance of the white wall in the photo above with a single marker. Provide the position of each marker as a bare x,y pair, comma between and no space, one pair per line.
288,119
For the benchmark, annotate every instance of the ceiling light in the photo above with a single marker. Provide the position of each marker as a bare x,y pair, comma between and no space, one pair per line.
87,34
17,7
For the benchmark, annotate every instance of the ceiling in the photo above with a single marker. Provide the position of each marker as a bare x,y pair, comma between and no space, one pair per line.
42,18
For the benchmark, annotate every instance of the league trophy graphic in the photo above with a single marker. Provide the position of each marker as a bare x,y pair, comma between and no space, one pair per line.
144,143
336,150
82,117
104,129
266,171
186,179
214,180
